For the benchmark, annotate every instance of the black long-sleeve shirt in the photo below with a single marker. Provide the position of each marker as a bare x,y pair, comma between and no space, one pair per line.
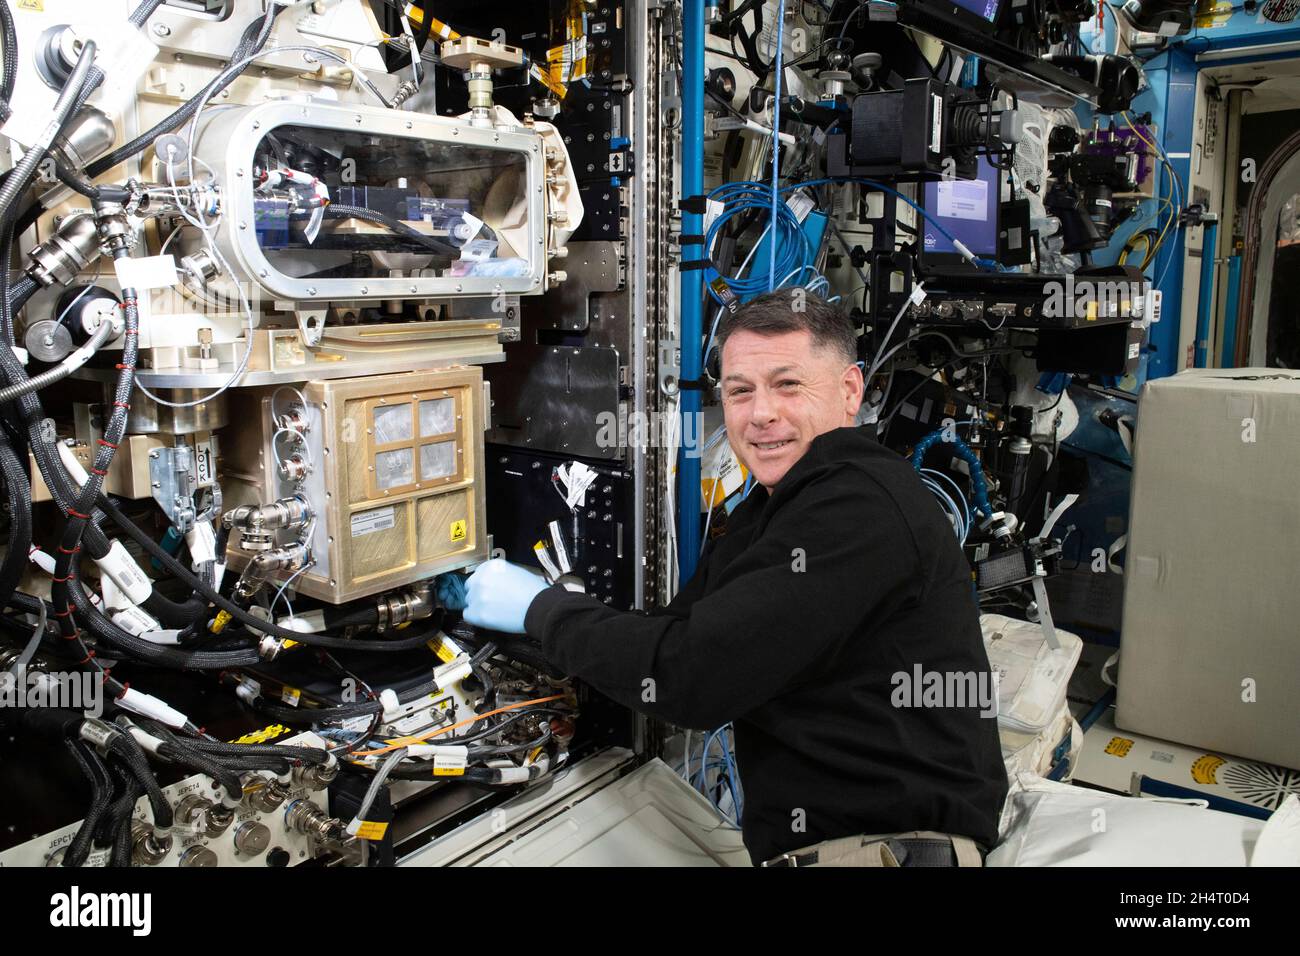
794,628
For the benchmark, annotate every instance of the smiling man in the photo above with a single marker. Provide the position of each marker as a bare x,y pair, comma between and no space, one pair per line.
835,575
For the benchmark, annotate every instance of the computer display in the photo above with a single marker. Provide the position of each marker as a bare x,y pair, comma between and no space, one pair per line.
984,9
967,208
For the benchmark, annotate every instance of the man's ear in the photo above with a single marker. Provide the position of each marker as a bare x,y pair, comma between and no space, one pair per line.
851,384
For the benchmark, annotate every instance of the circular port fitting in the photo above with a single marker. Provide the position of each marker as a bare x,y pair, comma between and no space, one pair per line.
198,856
294,468
48,341
57,50
252,838
148,849
267,797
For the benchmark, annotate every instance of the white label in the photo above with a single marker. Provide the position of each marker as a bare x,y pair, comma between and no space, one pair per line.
1103,202
544,559
561,553
291,696
96,734
368,522
203,462
357,725
450,759
730,474
134,621
150,272
936,123
478,250
713,209
800,205
964,199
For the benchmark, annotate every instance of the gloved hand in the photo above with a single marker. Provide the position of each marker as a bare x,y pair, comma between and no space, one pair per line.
498,595
450,589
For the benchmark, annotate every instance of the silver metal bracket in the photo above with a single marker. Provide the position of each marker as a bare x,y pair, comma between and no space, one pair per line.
311,323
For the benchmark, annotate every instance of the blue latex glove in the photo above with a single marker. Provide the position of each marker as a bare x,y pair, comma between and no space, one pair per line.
450,588
498,595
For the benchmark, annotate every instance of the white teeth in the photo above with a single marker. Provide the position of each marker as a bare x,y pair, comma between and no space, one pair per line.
770,445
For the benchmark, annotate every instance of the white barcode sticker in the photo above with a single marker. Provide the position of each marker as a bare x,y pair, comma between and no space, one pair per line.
368,522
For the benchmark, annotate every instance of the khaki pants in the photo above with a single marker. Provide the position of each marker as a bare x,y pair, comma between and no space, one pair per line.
874,850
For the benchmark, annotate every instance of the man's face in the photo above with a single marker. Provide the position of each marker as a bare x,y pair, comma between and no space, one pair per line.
779,392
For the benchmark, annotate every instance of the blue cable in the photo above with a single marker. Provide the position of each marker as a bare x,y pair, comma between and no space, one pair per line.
776,142
786,231
979,487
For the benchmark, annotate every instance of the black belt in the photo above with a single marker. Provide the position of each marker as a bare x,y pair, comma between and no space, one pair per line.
909,851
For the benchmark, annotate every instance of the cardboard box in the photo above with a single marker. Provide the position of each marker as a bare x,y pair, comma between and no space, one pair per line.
1211,637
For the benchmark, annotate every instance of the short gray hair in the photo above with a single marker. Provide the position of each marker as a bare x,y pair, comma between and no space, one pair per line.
794,310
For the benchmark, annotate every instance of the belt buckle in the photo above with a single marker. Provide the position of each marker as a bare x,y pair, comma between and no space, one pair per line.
785,859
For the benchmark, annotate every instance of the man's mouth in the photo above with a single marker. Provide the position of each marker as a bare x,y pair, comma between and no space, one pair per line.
771,445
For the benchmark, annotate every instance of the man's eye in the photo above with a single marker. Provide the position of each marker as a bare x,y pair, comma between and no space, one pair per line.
789,383
737,392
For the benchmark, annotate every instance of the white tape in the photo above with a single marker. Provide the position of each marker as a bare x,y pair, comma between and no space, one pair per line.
132,619
248,690
146,740
513,775
148,272
147,706
126,574
451,672
202,543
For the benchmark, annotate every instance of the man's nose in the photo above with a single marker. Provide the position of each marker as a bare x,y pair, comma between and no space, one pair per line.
762,410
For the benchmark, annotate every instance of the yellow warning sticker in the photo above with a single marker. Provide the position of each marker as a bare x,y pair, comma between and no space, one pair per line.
445,654
1213,13
448,771
370,830
1119,746
36,6
1205,767
263,735
290,695
459,530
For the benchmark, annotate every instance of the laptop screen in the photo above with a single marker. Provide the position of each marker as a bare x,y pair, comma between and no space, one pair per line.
967,209
984,9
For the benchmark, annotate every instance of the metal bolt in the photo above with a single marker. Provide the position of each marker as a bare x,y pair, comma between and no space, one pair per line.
162,30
